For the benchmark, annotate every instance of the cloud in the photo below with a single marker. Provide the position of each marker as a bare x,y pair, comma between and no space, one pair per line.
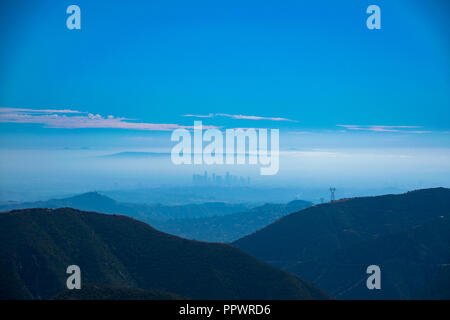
72,119
199,115
239,116
5,110
381,128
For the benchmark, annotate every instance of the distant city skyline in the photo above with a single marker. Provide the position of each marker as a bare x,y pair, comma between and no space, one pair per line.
218,180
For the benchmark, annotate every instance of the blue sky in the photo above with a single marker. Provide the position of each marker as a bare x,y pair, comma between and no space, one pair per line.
314,62
147,64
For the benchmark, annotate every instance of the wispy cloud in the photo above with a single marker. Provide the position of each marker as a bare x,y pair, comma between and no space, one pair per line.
72,119
199,115
382,128
34,111
239,116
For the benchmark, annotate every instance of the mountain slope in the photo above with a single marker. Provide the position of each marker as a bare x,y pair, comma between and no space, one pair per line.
332,244
37,245
409,261
97,292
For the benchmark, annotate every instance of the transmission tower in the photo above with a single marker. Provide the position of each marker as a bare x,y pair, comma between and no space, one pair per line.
332,190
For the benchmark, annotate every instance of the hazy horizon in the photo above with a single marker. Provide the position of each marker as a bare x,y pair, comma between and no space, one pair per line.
357,109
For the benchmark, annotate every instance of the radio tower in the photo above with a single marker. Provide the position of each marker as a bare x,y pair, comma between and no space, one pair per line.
332,190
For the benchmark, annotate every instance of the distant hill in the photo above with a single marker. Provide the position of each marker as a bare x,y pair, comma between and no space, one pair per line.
94,201
211,221
332,244
37,245
131,154
230,227
200,194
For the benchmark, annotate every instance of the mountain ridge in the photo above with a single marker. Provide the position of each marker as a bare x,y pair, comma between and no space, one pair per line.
211,221
314,243
37,245
98,202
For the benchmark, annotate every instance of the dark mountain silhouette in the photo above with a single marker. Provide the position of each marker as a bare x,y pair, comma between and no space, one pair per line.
37,245
230,227
332,244
94,201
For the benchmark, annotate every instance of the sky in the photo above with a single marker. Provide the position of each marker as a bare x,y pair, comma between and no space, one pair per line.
139,69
